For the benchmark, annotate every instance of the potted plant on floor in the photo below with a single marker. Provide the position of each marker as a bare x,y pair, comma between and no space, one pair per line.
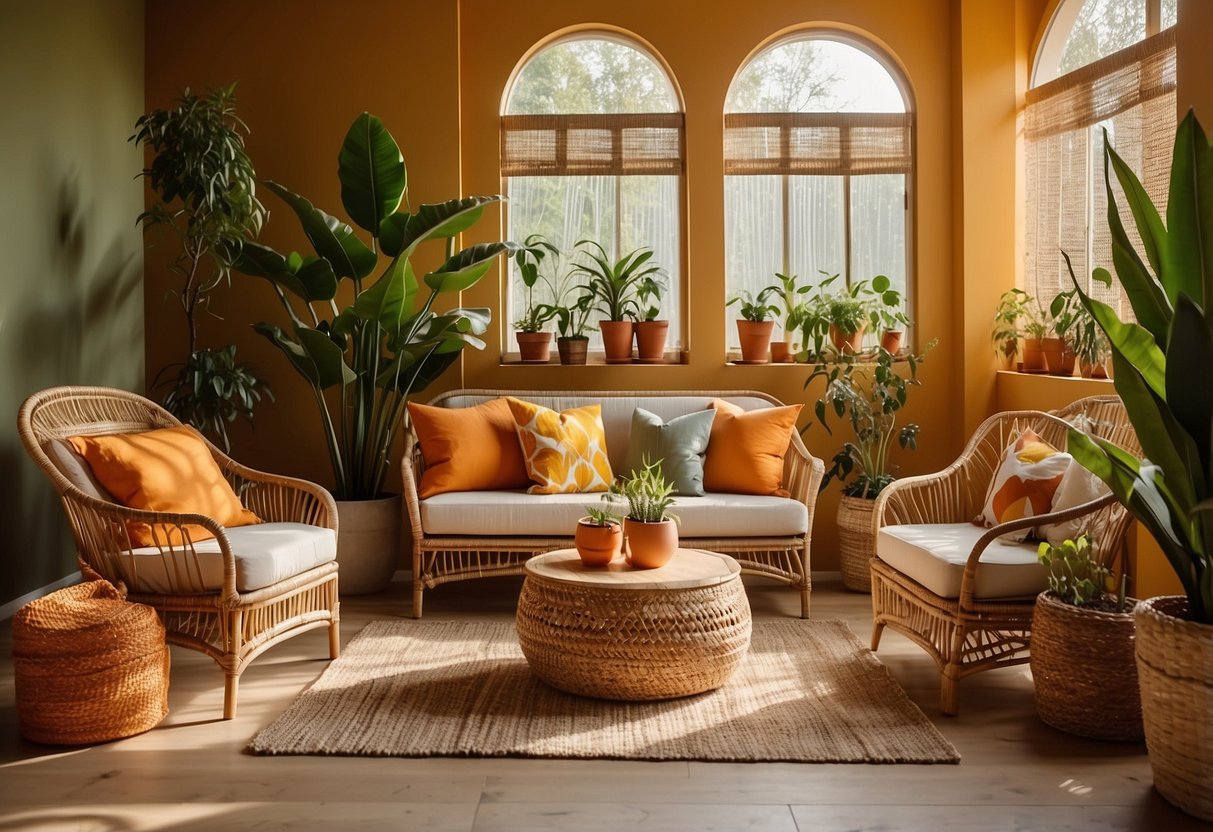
651,329
1083,667
363,360
599,536
616,290
535,344
754,327
868,396
887,316
1158,360
1012,306
650,531
792,308
206,197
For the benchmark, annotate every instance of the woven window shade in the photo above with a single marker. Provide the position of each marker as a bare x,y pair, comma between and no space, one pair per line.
817,144
617,144
1132,92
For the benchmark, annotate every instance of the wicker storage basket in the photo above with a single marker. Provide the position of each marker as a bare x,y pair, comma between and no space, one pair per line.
88,666
1175,666
1084,670
856,543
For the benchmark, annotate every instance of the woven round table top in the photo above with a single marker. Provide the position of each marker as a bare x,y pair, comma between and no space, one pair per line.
689,568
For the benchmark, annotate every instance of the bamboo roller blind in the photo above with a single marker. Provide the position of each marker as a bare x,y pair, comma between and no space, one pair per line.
818,144
616,144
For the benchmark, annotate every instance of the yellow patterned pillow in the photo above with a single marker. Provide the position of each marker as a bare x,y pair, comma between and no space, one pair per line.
565,452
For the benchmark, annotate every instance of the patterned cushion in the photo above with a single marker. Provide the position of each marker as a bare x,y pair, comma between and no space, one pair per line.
564,452
1025,482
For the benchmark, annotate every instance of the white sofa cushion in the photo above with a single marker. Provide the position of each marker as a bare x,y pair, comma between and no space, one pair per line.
935,555
264,553
516,513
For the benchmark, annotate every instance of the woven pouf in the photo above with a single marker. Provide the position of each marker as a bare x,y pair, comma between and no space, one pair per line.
89,666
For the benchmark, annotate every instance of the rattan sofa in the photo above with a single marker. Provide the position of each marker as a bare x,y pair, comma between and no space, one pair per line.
464,535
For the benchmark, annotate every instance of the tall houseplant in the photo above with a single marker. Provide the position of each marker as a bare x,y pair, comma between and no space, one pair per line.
363,360
206,197
617,288
534,344
1160,364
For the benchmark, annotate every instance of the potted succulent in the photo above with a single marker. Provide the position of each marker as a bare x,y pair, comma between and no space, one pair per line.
534,343
1012,307
792,308
1082,659
205,191
651,331
1159,362
650,531
886,316
363,360
868,396
599,536
616,287
754,327
1058,349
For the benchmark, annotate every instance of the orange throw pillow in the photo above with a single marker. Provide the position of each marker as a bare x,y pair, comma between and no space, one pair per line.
565,452
170,469
747,447
468,448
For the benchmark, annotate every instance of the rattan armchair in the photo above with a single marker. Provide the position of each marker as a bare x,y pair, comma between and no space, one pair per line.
231,626
968,634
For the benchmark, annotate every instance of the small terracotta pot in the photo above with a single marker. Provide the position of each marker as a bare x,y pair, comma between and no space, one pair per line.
755,337
1092,370
649,545
890,340
782,352
650,341
597,545
617,341
846,341
1033,355
572,350
1059,356
534,347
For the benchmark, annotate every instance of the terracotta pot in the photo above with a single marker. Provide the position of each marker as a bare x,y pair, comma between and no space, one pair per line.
617,341
1092,370
1059,356
649,545
782,352
755,337
572,350
890,340
846,341
650,341
1033,355
534,347
598,545
1175,671
368,544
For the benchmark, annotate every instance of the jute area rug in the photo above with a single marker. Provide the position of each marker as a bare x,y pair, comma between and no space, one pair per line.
808,691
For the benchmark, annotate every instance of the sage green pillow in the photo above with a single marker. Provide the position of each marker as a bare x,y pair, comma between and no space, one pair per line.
679,443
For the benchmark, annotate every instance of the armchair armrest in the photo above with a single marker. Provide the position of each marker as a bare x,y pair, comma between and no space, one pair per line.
803,473
411,466
278,499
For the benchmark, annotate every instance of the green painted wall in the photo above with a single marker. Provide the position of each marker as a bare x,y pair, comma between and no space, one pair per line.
71,273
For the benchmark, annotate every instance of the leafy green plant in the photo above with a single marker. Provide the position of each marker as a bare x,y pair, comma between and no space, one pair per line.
206,197
383,346
1011,309
885,311
814,319
867,395
530,260
1065,311
1161,360
753,309
1072,321
1075,577
618,287
1035,321
789,296
848,313
648,494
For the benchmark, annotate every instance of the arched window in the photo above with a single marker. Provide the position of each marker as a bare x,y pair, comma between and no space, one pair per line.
1103,65
818,160
592,148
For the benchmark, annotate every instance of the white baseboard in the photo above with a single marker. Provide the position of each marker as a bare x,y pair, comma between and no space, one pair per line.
7,610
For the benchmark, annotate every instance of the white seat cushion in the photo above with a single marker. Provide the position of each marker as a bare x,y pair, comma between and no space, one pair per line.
935,556
516,513
265,554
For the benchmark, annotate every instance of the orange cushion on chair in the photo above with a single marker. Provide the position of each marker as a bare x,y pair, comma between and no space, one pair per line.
170,469
468,448
565,452
747,447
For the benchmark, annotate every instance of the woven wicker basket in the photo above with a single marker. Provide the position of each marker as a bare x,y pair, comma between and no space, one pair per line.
1084,670
856,543
1175,665
89,666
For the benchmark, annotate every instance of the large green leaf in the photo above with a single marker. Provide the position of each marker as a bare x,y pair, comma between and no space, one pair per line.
464,270
262,261
1189,395
372,173
1189,210
433,221
1145,215
333,240
318,277
390,300
317,358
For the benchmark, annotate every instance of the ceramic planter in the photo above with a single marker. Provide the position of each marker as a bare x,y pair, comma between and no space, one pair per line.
649,545
534,347
891,340
1033,355
846,341
617,341
650,341
782,352
1059,356
368,544
597,545
572,350
755,338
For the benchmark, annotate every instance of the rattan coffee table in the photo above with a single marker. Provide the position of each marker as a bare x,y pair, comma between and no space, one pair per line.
634,634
